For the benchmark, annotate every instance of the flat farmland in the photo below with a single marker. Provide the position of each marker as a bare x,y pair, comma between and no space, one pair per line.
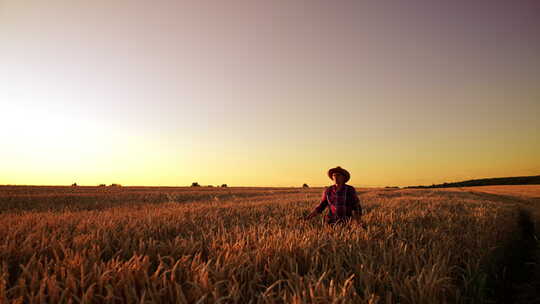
248,245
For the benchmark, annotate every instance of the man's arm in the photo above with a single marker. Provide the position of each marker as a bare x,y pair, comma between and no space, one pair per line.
357,208
357,216
320,207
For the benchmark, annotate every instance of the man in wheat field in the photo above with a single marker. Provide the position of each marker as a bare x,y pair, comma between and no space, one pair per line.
341,199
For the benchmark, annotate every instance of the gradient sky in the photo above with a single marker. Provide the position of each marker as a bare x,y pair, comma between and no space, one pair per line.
268,93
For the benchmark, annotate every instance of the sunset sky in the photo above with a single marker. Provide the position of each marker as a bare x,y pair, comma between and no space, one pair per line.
268,93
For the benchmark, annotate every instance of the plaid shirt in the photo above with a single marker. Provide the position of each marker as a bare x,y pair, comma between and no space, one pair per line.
341,203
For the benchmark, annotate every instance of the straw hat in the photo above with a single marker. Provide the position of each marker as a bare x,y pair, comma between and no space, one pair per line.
339,170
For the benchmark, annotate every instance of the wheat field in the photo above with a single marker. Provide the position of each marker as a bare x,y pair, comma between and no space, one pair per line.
247,245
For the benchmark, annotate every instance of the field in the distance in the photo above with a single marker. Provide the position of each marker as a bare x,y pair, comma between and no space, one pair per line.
242,245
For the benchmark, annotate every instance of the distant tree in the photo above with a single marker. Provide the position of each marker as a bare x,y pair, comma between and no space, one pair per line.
209,186
224,185
116,185
74,185
102,185
195,184
305,186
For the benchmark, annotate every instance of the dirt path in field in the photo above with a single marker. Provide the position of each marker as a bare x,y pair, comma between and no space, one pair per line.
518,280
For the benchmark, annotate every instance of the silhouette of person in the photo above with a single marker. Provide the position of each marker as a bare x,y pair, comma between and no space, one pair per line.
341,199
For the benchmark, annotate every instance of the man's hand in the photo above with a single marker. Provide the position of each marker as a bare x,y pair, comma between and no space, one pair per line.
309,216
361,224
357,217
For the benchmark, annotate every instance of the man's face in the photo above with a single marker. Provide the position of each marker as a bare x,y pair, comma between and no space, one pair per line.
338,178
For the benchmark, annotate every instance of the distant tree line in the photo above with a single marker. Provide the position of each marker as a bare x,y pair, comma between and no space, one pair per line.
100,185
517,180
196,184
